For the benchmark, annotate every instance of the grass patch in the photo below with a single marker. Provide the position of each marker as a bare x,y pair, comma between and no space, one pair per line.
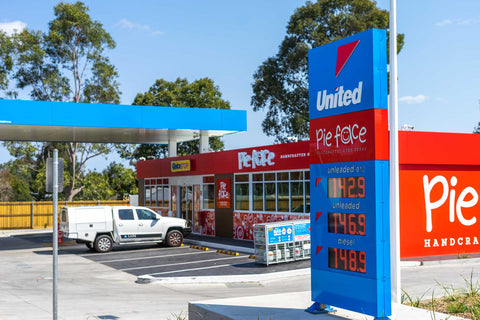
464,303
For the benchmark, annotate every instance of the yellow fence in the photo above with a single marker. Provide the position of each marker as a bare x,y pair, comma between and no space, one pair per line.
30,215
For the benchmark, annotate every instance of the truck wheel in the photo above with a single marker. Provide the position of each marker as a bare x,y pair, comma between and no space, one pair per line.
174,238
103,243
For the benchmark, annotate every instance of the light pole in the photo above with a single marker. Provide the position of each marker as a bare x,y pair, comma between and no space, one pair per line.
394,176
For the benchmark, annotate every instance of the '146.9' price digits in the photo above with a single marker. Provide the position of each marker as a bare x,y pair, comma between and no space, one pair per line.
346,223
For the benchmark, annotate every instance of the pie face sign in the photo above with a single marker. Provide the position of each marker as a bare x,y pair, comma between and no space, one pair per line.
224,194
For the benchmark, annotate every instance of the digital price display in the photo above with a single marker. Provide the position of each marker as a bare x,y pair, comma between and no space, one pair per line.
346,223
346,187
349,260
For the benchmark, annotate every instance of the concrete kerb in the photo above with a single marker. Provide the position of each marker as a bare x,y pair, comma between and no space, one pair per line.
225,279
215,245
23,232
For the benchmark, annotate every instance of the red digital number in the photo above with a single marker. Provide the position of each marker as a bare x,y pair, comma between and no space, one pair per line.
352,224
352,263
342,187
342,221
348,260
361,224
361,187
351,188
363,262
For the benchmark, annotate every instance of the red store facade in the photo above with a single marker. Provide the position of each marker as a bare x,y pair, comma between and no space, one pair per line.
225,193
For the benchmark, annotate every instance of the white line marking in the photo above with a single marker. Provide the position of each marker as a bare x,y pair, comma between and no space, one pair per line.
192,269
132,251
156,257
181,263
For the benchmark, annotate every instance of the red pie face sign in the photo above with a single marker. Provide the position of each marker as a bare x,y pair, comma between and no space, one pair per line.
224,194
356,136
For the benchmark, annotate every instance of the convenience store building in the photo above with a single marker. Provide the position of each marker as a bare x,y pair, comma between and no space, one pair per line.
225,193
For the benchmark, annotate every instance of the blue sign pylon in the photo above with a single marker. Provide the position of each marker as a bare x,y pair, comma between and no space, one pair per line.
349,218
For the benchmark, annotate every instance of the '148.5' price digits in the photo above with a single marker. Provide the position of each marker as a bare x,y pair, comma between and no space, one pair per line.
348,260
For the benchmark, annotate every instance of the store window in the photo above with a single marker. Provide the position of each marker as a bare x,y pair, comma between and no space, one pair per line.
148,196
242,191
270,199
257,185
208,192
283,192
157,193
274,192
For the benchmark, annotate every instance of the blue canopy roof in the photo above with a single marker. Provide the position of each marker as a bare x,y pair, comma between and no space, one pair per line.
110,123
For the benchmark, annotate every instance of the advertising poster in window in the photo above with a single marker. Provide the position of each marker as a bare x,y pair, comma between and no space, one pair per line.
173,194
223,193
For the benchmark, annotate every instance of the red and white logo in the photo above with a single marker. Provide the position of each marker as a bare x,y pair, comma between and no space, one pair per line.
343,55
341,97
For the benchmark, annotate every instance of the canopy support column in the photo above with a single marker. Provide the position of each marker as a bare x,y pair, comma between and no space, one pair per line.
204,144
172,144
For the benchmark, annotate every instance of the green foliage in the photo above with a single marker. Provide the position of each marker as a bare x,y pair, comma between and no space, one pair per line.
6,62
67,63
112,184
410,300
457,307
13,183
121,180
473,288
201,93
450,293
281,83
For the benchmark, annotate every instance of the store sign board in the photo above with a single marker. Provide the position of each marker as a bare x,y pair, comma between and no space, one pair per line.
355,136
224,194
349,174
440,207
180,165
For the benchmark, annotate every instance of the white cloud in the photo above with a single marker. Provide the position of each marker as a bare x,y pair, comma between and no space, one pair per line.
420,98
448,22
12,27
126,24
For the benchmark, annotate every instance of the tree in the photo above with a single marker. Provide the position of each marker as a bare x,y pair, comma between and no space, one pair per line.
112,184
281,82
14,182
201,93
65,64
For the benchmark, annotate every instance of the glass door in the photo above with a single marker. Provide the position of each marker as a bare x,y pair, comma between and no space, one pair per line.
186,202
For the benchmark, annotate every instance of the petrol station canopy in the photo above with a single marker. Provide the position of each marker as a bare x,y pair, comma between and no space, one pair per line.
110,123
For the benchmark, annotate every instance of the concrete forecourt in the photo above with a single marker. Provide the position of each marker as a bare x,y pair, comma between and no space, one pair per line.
91,290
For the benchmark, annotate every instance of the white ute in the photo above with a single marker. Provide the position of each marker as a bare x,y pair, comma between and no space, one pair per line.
99,227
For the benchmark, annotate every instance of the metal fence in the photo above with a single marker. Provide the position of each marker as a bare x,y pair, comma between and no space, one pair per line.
33,215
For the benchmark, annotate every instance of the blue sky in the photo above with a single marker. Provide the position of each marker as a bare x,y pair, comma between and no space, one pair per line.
438,68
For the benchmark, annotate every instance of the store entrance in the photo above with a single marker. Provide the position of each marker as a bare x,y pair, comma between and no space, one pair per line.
186,202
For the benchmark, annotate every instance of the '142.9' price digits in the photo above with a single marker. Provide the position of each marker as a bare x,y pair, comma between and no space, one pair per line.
346,187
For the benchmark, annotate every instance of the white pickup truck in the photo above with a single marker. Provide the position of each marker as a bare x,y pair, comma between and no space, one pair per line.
99,227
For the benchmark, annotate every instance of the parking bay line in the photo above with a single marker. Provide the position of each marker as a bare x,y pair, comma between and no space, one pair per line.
181,263
193,269
131,251
156,257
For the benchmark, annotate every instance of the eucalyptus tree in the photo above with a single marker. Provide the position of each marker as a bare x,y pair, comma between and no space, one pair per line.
67,63
281,82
